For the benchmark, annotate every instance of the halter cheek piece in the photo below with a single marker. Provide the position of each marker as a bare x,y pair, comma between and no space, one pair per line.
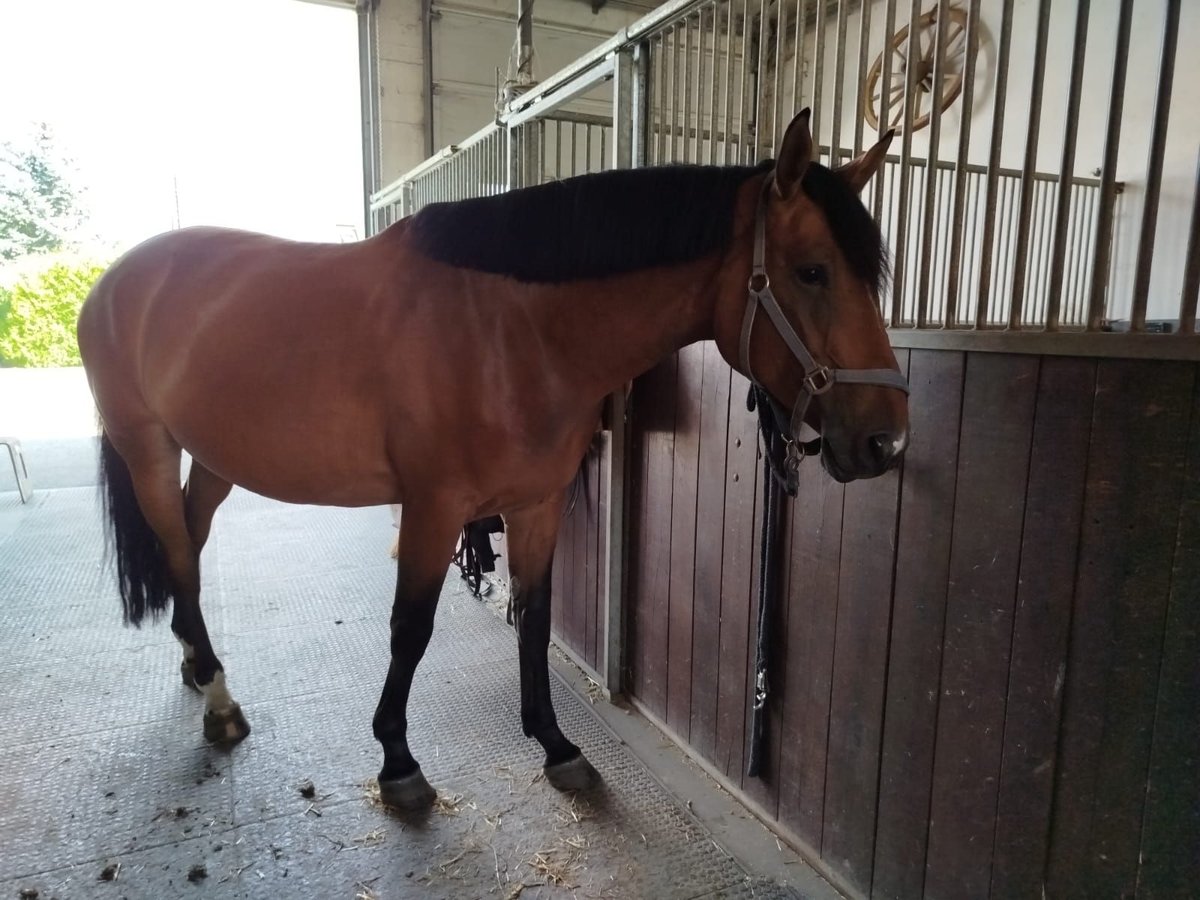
818,378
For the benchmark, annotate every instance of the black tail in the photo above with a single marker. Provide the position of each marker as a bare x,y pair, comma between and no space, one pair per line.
141,563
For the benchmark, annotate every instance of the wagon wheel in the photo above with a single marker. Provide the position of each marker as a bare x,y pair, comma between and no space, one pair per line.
954,40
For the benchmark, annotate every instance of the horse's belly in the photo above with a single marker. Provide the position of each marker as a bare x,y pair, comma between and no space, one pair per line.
297,464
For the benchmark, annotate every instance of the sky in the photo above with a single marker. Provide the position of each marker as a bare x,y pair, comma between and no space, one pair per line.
247,111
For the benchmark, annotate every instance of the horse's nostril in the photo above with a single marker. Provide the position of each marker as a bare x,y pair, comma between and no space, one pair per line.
885,447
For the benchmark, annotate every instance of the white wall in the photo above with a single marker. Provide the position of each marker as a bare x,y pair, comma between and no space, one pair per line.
471,41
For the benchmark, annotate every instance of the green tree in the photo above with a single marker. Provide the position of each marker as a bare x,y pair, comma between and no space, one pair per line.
38,328
39,208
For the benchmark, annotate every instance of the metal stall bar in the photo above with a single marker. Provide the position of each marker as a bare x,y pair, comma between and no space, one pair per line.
1191,271
931,169
629,96
1025,204
759,56
715,87
839,71
864,35
818,72
1112,141
907,117
1065,171
778,112
986,247
741,115
885,98
701,82
1158,146
960,169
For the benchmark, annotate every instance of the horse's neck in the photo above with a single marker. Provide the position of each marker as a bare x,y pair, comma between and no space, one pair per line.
622,326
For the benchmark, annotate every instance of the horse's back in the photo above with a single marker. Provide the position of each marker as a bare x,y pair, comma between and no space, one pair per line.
225,339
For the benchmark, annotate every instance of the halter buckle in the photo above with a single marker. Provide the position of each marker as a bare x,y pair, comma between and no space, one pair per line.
759,282
819,380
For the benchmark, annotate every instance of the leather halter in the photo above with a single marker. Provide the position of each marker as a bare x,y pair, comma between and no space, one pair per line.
818,378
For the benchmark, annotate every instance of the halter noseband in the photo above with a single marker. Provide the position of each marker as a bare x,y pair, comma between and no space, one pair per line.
818,378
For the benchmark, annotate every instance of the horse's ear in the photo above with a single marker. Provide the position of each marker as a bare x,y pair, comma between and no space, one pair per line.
794,156
863,168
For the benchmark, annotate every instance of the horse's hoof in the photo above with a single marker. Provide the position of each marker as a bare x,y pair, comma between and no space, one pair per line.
187,672
412,793
228,726
576,774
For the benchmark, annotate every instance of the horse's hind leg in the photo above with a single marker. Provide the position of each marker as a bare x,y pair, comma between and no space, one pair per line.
202,495
154,471
426,544
532,534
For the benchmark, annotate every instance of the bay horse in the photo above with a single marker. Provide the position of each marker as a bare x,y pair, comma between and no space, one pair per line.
456,363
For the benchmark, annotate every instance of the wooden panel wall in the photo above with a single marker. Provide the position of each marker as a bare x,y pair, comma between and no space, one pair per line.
986,664
577,583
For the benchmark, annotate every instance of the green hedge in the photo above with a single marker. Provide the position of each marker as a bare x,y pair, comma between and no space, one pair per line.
38,313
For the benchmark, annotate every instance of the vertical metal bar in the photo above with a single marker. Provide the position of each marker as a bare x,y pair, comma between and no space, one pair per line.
731,27
1025,209
640,113
1108,196
798,57
696,82
678,116
885,87
743,130
659,87
629,96
685,150
760,132
715,86
908,116
931,175
1067,169
1079,244
818,75
960,165
1191,269
777,67
864,36
1158,146
993,166
839,76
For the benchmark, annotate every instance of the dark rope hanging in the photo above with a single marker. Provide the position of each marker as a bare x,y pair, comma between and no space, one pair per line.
781,462
475,555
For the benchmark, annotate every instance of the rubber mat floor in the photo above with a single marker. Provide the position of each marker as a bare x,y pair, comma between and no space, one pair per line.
109,789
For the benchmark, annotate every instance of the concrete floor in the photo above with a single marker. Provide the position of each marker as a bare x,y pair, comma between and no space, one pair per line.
106,773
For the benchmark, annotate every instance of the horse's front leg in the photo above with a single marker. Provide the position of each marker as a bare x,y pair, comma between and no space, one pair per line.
532,533
426,545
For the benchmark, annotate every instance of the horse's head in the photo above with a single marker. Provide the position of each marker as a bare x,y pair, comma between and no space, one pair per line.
811,334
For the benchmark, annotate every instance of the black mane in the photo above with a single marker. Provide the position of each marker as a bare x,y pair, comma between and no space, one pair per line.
620,221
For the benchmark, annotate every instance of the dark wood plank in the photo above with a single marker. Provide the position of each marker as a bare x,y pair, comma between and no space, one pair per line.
919,609
658,396
1130,527
689,376
585,509
859,674
1049,547
765,789
563,564
815,564
1171,835
710,504
595,622
997,425
737,581
557,597
639,598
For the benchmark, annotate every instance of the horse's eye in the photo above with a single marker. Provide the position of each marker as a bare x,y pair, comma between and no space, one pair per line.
814,276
